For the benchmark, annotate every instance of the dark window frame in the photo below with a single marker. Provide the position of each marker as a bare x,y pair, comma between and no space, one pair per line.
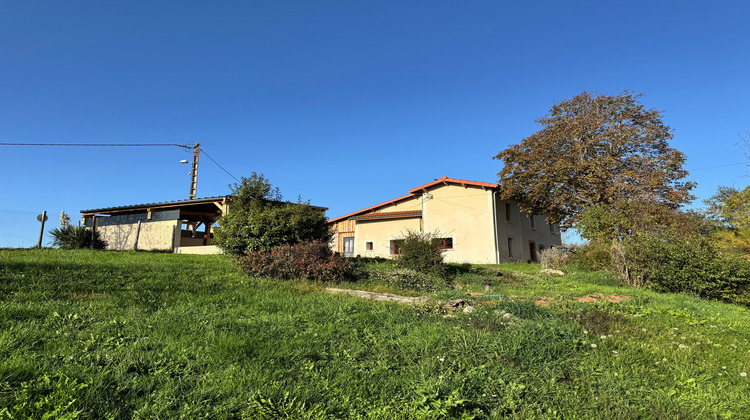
446,243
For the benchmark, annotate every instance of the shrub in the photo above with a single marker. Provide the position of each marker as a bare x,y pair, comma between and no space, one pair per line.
594,255
554,258
669,263
76,237
260,220
308,260
422,252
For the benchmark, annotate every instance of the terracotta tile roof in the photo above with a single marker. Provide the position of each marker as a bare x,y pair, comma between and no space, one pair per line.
446,180
389,215
372,208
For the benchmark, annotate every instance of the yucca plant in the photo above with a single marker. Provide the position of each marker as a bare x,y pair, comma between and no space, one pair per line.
75,237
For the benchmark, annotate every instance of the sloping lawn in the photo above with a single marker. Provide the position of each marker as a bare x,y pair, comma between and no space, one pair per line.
145,335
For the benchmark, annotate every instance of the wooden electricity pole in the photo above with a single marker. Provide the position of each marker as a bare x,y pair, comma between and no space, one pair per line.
194,172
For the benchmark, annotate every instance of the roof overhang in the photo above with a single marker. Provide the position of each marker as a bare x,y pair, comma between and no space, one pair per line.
389,215
196,210
452,181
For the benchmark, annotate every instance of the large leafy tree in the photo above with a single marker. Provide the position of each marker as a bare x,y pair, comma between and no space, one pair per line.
730,207
594,150
258,219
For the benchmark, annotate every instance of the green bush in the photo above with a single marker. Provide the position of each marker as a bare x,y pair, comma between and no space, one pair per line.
669,263
76,237
260,220
309,260
594,255
422,252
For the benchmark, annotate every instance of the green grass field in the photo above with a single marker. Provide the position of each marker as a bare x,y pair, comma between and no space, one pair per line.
143,335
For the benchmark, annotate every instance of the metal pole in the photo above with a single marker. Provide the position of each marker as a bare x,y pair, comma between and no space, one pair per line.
41,229
194,172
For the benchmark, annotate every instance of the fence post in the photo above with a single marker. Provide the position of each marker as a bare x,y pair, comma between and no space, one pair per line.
41,229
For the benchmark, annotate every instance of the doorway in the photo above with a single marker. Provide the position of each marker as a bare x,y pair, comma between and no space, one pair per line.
349,247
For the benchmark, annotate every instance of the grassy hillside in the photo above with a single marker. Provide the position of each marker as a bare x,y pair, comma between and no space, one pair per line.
144,335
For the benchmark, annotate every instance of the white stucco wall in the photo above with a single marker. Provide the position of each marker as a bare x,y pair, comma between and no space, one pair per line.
159,235
380,233
464,214
522,234
199,250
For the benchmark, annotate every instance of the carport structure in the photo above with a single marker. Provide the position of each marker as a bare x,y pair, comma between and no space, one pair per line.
158,225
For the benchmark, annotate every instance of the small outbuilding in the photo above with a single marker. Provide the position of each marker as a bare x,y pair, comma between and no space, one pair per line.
180,226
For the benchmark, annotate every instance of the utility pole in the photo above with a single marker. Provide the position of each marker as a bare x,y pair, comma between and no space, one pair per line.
194,172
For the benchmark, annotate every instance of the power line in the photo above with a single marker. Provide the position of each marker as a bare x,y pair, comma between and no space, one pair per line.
185,146
719,166
97,144
217,164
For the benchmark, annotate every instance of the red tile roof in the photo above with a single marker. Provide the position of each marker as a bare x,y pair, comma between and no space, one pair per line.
373,208
445,180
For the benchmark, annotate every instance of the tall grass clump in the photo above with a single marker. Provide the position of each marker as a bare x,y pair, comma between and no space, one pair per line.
553,258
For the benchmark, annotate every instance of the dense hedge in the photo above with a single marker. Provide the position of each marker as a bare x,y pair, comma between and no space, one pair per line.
667,263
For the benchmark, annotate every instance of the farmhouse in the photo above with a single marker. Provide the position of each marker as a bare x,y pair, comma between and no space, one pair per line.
180,226
473,224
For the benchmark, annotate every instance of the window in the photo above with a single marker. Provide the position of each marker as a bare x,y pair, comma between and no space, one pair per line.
396,246
446,243
510,248
532,251
507,212
368,246
551,228
532,221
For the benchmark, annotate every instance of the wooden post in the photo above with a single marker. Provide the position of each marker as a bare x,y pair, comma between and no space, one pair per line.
207,235
137,236
41,229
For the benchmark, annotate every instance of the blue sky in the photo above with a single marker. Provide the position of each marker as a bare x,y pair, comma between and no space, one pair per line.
344,103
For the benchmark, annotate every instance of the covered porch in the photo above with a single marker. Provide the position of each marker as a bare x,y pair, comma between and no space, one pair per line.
173,225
